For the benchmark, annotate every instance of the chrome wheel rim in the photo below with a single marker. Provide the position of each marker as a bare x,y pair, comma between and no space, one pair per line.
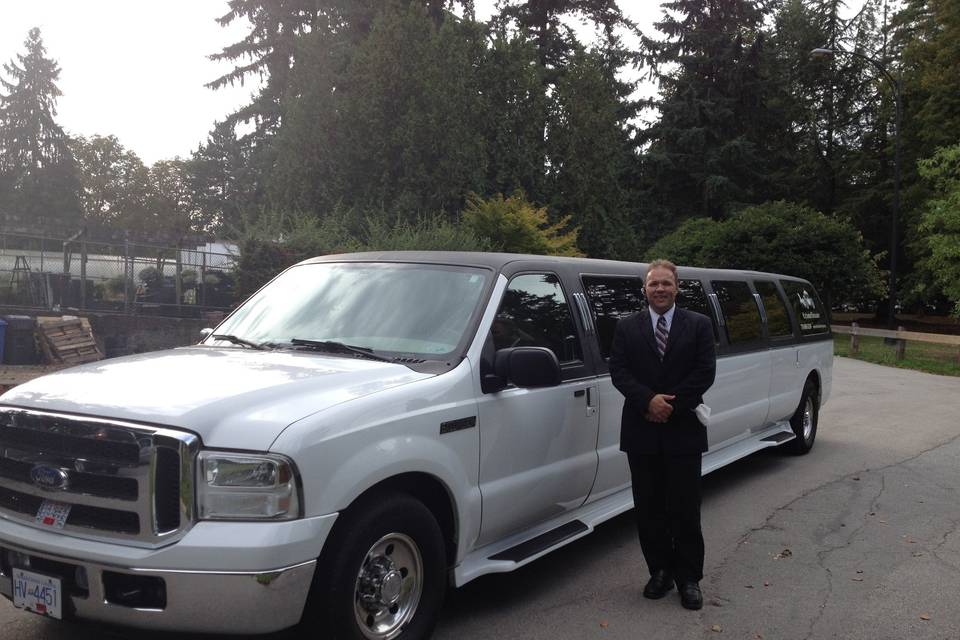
807,422
388,586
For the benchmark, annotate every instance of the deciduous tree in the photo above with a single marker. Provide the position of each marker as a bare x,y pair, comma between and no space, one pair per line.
780,237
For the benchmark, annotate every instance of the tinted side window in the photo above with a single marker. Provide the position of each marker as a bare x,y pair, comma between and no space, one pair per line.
740,312
693,298
534,313
807,307
778,320
610,299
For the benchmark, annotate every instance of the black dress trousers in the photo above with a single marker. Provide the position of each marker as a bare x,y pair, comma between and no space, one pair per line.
666,496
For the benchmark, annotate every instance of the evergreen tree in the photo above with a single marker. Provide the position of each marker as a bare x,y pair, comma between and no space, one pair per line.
545,23
222,184
514,108
927,37
271,49
38,182
591,158
706,150
397,129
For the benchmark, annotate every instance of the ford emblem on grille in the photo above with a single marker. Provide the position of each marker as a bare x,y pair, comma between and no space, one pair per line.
49,478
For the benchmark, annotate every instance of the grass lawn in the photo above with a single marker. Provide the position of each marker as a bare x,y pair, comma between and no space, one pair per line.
923,356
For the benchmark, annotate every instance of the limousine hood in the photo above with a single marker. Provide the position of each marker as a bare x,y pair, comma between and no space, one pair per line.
230,397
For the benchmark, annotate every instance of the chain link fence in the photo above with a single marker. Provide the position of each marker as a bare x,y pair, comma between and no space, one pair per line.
78,273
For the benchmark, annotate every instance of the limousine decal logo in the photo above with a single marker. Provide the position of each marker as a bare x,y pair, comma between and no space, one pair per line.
49,478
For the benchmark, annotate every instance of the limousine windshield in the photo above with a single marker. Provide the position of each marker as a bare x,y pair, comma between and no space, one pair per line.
417,309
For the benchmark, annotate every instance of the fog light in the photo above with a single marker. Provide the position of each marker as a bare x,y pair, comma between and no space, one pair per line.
18,560
80,577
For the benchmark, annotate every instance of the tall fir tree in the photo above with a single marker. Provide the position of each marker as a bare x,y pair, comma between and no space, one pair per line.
547,24
592,156
926,39
393,125
705,155
38,179
514,108
222,184
581,85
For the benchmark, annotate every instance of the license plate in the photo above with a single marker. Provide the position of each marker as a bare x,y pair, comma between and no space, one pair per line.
38,593
53,514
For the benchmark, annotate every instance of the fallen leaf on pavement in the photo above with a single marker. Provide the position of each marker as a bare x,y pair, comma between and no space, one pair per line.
766,584
716,628
857,579
604,625
786,553
924,616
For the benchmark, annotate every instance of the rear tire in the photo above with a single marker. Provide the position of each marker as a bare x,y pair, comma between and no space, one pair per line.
382,573
804,421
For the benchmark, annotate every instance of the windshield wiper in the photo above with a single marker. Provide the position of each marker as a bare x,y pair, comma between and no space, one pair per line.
238,340
338,347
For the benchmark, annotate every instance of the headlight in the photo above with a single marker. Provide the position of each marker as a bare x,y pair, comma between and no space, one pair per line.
242,486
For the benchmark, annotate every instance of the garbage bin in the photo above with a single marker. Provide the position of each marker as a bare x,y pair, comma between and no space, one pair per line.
19,345
3,333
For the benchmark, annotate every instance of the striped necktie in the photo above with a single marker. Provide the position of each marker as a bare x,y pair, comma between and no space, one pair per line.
662,334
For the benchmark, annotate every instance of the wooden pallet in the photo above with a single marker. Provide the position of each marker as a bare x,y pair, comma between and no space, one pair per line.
67,340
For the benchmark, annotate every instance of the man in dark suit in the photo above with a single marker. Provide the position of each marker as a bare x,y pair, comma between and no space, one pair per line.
663,360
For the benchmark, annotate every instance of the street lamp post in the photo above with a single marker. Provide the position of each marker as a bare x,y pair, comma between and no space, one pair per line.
895,213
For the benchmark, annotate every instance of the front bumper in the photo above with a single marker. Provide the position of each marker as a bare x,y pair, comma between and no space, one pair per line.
219,594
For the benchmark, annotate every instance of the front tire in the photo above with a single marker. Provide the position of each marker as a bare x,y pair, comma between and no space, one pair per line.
804,420
382,573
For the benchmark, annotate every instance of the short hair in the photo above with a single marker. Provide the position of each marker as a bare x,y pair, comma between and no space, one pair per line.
662,264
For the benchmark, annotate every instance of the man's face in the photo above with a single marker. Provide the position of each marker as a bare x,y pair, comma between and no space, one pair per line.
661,289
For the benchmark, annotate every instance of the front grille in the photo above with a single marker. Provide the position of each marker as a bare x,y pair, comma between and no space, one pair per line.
122,481
87,483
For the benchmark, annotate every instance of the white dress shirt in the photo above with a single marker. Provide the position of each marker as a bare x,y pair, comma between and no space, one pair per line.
668,316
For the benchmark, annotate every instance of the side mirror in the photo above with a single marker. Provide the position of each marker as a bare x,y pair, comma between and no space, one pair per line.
527,366
206,331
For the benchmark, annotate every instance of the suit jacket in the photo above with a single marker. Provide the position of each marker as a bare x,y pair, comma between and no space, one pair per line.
687,370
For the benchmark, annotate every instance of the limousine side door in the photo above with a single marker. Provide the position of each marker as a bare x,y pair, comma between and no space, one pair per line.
786,382
738,399
538,445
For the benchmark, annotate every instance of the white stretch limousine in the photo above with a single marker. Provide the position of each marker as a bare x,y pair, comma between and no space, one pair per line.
364,430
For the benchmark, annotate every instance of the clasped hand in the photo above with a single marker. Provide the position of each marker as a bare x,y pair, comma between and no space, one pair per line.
659,409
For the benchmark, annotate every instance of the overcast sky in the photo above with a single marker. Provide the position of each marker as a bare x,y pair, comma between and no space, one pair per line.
136,69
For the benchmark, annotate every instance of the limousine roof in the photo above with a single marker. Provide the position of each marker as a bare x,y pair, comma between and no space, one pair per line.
499,261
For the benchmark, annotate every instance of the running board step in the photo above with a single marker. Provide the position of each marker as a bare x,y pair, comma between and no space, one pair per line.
542,542
773,436
780,438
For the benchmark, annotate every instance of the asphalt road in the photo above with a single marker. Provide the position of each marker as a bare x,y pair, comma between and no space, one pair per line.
858,539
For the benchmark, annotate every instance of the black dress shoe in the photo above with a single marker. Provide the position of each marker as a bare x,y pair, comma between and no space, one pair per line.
659,585
690,595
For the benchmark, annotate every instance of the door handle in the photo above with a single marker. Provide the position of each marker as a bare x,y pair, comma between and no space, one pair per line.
590,397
